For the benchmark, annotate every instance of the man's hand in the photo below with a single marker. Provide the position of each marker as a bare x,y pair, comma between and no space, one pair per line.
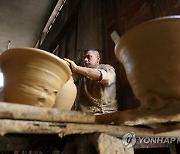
72,65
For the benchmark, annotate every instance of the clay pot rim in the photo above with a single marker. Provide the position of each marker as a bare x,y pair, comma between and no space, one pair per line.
4,55
140,26
175,17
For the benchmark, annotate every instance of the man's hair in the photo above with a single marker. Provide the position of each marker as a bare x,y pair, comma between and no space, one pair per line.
93,50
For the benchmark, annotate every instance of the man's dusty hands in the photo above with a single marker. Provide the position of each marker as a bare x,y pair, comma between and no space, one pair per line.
72,65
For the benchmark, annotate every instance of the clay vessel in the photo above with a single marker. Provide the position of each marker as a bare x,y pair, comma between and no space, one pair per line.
66,96
32,76
150,53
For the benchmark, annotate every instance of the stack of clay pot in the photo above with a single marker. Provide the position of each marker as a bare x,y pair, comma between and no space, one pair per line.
35,77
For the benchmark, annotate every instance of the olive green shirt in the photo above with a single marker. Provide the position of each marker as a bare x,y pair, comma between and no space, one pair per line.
98,97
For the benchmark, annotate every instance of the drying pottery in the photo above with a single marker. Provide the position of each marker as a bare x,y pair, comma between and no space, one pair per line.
150,54
66,96
32,76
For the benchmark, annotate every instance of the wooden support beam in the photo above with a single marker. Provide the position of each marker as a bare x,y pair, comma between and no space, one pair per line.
60,25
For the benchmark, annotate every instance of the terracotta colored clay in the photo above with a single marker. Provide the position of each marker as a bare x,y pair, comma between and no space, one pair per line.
66,96
32,76
150,53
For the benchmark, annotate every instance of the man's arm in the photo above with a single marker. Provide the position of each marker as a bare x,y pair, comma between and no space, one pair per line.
92,73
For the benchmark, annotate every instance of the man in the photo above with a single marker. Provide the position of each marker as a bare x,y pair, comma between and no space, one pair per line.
96,85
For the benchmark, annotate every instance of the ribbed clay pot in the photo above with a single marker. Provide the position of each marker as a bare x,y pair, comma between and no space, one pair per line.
66,96
150,53
32,76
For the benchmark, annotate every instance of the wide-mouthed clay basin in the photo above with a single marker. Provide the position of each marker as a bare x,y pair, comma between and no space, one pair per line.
32,76
150,53
66,96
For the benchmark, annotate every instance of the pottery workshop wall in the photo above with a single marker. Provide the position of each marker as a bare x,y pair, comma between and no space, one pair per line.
89,23
77,27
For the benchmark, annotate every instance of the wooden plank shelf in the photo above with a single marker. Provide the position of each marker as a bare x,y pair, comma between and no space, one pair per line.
18,118
37,121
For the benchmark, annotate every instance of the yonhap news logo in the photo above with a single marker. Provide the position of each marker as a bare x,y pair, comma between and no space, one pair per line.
130,139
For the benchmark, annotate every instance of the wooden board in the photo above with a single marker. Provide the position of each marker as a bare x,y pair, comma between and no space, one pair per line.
27,112
16,118
63,129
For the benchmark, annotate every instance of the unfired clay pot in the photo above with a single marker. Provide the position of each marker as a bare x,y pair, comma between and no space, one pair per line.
150,53
32,76
66,96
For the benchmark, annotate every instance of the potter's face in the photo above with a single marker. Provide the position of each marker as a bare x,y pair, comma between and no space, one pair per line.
91,59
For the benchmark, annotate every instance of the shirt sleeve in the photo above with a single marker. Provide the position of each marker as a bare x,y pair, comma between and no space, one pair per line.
108,75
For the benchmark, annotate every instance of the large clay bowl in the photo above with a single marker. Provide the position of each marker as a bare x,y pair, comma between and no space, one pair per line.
32,76
66,96
150,53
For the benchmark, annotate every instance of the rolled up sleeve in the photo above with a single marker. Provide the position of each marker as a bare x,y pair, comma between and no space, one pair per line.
108,75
